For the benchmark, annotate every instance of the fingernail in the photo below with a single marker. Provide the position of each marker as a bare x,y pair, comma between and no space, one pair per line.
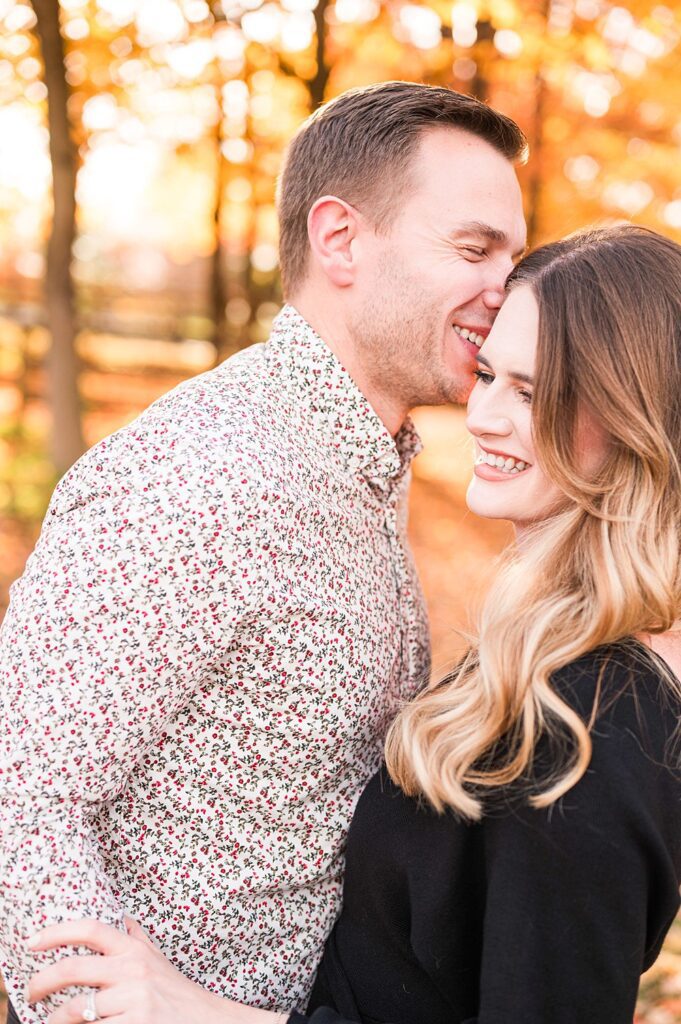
33,942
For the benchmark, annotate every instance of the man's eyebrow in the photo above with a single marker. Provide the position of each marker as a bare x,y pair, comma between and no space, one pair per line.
478,227
515,374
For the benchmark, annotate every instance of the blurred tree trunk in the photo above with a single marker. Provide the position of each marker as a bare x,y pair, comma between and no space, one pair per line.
218,291
67,436
534,186
537,169
317,85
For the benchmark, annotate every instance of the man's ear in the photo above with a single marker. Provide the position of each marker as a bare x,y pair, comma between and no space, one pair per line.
332,228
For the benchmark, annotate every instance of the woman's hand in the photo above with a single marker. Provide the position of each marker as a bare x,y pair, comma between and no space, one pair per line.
133,982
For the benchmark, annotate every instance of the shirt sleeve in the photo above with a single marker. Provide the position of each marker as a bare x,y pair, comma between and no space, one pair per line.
580,895
125,605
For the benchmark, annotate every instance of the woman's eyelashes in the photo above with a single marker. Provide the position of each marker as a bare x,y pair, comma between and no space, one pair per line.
487,378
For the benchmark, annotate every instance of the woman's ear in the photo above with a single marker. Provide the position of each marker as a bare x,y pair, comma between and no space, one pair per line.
332,228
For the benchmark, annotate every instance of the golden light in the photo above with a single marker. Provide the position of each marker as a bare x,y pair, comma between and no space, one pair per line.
464,69
196,11
588,10
629,196
160,21
17,44
121,12
671,214
464,24
237,151
596,91
229,43
618,25
265,257
24,163
112,187
262,26
29,68
297,31
100,113
508,42
581,169
76,28
190,59
298,6
36,92
20,18
422,26
357,11
239,190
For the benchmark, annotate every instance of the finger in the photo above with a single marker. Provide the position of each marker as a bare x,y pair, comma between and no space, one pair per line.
93,971
71,1012
136,931
102,938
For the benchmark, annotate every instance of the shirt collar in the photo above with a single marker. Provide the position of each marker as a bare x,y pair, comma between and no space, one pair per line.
334,405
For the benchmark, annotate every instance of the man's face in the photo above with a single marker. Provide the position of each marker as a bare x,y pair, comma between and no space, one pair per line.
438,273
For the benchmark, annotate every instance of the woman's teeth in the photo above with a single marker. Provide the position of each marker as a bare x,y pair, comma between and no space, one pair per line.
506,465
467,335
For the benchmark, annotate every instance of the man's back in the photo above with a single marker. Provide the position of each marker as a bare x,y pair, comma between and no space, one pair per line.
200,663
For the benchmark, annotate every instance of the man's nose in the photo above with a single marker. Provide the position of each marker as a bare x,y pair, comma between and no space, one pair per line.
495,286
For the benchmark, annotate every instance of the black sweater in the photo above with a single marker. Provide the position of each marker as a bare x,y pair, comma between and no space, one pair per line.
530,916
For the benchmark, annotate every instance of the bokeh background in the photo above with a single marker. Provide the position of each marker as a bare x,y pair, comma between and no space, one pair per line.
139,146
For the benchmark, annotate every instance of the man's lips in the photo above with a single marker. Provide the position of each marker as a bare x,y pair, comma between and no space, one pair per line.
473,335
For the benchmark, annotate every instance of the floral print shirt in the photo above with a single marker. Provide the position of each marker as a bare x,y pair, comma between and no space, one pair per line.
198,667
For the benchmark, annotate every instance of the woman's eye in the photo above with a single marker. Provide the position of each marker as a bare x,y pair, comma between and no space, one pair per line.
525,395
485,378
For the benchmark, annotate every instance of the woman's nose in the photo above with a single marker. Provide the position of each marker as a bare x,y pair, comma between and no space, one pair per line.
485,417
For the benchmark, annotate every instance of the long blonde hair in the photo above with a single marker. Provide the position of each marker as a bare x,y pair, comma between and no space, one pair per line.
607,564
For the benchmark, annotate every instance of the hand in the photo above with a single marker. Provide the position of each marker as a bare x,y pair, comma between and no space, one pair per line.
134,982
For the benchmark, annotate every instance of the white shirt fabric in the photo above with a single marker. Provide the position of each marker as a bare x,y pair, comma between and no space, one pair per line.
198,667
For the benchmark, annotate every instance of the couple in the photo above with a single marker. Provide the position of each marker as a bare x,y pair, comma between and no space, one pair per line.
220,634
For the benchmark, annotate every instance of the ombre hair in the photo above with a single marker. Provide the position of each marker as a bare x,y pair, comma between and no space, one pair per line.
605,565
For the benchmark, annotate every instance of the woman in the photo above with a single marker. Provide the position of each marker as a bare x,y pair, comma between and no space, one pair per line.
519,860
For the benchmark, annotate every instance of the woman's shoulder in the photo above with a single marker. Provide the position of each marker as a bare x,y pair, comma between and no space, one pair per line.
629,691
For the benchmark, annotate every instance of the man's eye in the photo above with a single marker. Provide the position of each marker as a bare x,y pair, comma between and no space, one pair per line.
473,252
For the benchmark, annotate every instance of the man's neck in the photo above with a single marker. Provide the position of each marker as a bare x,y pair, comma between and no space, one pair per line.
331,328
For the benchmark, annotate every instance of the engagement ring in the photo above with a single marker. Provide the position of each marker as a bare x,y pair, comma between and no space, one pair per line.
90,1011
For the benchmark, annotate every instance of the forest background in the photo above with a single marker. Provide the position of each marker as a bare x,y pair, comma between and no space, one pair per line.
140,142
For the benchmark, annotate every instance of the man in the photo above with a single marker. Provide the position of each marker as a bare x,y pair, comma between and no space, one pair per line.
222,615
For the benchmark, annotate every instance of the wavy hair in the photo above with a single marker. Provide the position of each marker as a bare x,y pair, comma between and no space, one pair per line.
605,565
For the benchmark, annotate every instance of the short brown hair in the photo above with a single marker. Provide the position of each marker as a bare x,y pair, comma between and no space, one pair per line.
358,147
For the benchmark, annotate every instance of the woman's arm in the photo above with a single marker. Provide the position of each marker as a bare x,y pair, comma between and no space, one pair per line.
580,895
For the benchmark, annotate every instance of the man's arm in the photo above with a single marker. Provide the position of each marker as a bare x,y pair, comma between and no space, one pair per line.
123,608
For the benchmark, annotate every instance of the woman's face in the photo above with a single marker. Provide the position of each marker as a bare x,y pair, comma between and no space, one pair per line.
508,482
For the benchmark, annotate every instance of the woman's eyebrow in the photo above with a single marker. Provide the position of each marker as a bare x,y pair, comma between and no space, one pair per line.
526,378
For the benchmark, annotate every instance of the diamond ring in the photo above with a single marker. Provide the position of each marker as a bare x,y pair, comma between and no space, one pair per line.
90,1011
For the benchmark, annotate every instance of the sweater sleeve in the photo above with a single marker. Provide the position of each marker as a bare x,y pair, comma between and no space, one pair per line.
580,895
324,1015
